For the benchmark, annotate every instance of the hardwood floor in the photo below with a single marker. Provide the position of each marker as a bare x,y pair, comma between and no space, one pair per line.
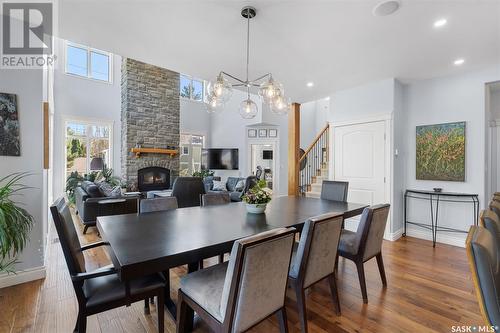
429,290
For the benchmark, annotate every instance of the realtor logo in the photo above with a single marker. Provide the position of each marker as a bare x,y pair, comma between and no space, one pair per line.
27,34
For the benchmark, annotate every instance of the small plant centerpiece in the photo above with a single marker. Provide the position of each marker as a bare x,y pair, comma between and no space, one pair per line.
15,221
257,198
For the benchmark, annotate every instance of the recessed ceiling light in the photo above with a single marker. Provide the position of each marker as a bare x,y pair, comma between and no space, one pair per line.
440,23
386,8
459,62
327,98
310,84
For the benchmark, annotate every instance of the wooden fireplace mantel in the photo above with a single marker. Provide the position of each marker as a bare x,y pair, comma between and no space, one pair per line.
139,151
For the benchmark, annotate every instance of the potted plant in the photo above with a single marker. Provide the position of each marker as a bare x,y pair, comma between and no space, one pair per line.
15,222
257,198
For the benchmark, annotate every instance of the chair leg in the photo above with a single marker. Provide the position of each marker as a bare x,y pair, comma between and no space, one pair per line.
182,309
146,306
161,311
152,300
82,323
381,269
85,228
335,293
362,282
301,305
201,264
337,263
221,258
282,320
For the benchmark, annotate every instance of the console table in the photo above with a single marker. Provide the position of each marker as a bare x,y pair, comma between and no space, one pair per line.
435,198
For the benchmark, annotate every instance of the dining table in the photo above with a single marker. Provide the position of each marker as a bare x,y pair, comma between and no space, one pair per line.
143,244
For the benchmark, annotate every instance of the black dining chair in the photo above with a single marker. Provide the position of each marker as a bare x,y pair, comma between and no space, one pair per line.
366,243
334,190
187,190
314,258
157,204
101,289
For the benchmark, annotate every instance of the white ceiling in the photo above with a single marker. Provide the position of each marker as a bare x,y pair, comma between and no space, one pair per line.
335,44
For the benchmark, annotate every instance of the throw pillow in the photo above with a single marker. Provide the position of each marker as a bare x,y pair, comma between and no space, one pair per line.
219,186
108,190
239,186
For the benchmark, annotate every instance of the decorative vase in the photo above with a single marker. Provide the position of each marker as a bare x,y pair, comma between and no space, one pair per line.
256,208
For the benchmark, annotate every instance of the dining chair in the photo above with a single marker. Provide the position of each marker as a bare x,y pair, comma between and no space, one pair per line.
489,220
239,294
101,289
334,190
187,190
313,259
157,204
213,199
366,243
495,206
481,247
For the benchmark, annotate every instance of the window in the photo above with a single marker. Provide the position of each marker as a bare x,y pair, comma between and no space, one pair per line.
87,62
88,146
190,159
192,89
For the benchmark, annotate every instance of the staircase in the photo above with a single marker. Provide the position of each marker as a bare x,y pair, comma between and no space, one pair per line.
313,164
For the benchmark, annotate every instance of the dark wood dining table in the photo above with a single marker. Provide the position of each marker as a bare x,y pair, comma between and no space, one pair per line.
142,244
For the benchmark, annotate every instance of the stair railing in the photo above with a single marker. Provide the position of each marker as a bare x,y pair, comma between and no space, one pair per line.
315,158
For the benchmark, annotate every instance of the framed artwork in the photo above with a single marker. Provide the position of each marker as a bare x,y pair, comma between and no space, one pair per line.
262,133
440,152
273,133
9,126
252,133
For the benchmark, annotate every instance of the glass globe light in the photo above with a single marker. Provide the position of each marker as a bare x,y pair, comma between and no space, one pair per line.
213,104
248,109
281,105
221,89
268,90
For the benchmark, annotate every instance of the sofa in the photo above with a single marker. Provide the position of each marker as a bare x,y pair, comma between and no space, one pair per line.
93,200
234,193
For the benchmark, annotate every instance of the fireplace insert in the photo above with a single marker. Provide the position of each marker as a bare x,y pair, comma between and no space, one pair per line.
153,179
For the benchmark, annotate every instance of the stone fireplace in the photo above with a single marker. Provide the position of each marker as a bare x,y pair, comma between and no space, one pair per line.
150,118
153,179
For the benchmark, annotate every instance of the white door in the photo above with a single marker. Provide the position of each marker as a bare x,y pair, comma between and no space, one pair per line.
359,158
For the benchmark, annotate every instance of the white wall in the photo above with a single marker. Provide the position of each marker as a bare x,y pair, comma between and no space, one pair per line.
495,104
27,85
88,99
450,99
194,119
313,118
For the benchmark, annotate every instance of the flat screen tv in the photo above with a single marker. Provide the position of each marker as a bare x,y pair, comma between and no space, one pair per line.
219,159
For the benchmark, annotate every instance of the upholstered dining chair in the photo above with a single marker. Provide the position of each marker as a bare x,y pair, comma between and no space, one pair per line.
334,190
187,190
100,290
489,220
213,199
495,206
157,204
481,247
239,294
313,259
366,243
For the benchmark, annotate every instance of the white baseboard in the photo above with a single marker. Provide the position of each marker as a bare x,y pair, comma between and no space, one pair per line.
393,236
455,239
7,280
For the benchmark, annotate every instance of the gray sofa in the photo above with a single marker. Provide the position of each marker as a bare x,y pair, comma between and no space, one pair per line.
234,193
92,201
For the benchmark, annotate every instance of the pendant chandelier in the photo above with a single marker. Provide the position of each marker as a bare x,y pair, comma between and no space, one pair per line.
270,91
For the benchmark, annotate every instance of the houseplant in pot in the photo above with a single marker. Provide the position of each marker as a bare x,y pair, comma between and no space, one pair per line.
257,198
15,221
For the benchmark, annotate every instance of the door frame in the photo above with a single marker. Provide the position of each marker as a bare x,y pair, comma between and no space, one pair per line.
387,119
276,156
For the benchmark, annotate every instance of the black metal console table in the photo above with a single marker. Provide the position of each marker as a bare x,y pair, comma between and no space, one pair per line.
435,198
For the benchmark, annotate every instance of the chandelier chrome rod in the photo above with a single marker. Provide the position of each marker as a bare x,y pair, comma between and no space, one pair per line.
248,40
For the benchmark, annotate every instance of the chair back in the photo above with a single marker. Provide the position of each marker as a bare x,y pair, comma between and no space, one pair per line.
68,237
371,230
157,204
213,199
256,278
187,190
481,247
250,182
495,206
317,251
489,220
334,190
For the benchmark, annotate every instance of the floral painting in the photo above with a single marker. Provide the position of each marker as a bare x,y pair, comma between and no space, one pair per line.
441,152
9,126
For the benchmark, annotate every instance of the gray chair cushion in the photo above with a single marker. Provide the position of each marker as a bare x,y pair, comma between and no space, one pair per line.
157,204
334,190
109,288
205,288
375,226
349,242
